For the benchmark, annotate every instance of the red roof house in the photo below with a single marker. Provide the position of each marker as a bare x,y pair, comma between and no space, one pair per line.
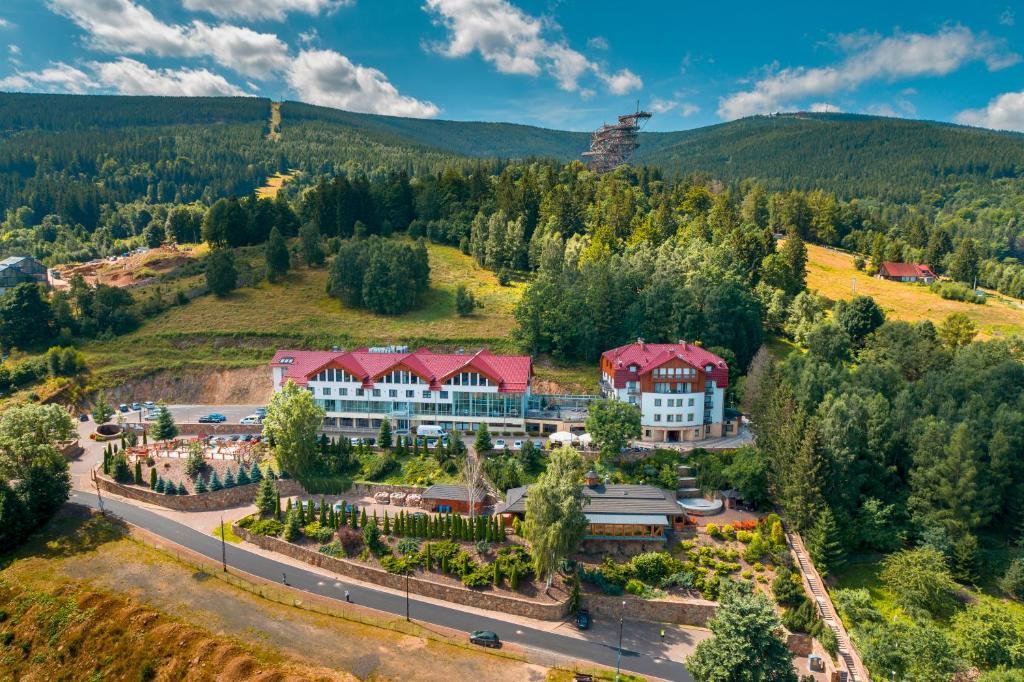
906,272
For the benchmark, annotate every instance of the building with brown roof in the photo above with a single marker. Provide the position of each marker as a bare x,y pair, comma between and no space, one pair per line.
906,272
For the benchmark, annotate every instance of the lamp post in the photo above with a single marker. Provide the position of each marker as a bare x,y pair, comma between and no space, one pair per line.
223,546
407,594
618,659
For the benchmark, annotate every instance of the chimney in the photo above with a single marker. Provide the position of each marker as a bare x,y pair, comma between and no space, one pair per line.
640,341
682,342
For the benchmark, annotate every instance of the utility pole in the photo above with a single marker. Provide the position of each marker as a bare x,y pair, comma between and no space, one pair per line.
223,546
99,495
618,659
407,595
854,286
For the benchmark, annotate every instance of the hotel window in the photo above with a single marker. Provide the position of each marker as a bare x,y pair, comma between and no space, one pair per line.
360,392
410,394
376,393
657,402
689,416
690,403
391,393
342,391
444,395
657,417
426,394
327,390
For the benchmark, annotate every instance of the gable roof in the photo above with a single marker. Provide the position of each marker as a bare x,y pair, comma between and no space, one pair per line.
629,500
648,356
905,269
510,372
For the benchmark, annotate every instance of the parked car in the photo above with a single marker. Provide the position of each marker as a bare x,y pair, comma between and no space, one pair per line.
500,444
261,411
252,419
136,407
431,443
356,441
123,407
485,638
583,619
152,416
212,418
539,444
517,445
83,417
149,405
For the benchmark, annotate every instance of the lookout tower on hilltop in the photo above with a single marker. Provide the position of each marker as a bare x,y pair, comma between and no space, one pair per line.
611,145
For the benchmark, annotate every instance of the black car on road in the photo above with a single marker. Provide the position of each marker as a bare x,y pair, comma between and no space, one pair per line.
485,638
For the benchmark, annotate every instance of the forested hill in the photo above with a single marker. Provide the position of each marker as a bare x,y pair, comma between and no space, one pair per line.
886,158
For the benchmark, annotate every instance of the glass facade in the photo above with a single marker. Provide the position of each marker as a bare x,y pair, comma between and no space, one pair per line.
462,404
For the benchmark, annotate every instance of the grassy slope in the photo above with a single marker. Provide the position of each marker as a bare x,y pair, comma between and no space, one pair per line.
831,273
83,601
245,328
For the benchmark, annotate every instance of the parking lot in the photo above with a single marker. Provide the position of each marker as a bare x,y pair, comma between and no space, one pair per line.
190,414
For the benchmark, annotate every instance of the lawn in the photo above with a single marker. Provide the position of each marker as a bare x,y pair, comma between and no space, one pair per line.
832,274
246,327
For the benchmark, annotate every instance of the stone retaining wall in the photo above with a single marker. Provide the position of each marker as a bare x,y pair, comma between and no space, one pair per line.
427,588
217,429
689,612
370,489
217,499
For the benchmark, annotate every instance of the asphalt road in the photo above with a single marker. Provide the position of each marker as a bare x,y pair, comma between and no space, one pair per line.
264,567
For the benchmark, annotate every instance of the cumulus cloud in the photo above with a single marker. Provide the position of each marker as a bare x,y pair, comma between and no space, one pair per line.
1005,112
58,77
4,23
1007,18
328,78
825,107
598,43
263,9
123,27
513,42
870,57
130,77
663,106
13,49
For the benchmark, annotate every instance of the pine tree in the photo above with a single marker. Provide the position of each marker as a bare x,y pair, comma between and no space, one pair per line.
229,479
323,511
170,488
200,484
387,523
266,498
165,429
138,472
182,490
384,435
144,441
332,518
215,483
277,257
243,476
363,519
159,486
823,543
152,478
277,507
375,521
483,439
256,475
513,577
293,525
344,515
497,574
354,518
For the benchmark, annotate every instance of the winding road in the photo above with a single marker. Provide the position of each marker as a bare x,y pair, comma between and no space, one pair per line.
643,663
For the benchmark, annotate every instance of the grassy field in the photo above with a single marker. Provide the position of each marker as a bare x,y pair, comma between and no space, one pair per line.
83,600
274,184
245,328
832,273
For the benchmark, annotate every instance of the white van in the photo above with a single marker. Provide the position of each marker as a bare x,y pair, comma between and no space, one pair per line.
430,431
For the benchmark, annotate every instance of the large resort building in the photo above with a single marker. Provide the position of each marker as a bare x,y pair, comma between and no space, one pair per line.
361,388
679,388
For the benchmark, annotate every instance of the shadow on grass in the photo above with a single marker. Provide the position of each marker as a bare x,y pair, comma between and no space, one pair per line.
74,529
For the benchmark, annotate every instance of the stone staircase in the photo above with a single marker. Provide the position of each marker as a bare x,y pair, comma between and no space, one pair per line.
851,662
687,483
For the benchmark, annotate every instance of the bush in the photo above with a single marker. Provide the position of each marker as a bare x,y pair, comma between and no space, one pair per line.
399,564
729,532
744,536
788,589
351,540
634,586
828,641
919,579
955,291
408,546
714,531
334,549
480,576
314,531
268,527
653,567
803,618
1012,582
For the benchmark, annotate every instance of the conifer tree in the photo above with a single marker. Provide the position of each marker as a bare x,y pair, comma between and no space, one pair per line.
387,523
513,577
182,490
138,472
215,483
256,474
200,484
429,555
497,574
323,511
293,525
159,486
332,518
266,498
229,479
344,515
823,543
277,508
353,518
362,518
444,564
243,476
152,478
384,435
277,258
170,488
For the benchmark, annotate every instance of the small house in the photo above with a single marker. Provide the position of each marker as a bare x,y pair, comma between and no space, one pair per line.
906,272
20,269
444,498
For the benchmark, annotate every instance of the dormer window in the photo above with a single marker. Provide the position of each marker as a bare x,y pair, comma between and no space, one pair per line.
632,368
708,368
287,360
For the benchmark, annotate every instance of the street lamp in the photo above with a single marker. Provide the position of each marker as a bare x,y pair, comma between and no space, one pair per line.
618,660
223,546
407,594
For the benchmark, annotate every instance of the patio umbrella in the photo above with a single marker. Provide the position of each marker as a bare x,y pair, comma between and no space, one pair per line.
585,440
562,437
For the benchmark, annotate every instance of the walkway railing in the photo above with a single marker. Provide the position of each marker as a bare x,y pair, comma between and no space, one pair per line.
812,581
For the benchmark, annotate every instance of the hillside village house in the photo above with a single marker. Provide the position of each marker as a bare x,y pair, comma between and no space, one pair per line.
906,272
361,388
679,387
19,269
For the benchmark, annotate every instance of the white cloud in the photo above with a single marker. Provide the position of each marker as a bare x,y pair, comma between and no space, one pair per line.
263,9
123,27
1007,18
663,106
4,23
825,107
59,77
328,78
13,49
598,43
512,41
129,77
309,37
902,55
1005,112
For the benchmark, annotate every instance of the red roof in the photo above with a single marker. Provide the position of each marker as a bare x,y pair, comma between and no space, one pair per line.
648,356
510,372
890,269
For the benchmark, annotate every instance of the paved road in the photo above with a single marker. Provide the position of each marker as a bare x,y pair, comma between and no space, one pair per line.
264,567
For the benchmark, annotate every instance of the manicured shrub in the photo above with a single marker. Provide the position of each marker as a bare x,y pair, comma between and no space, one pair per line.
182,490
152,479
159,485
269,527
652,567
138,472
634,586
215,483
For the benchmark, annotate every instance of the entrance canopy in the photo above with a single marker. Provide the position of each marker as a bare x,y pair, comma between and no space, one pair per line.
563,437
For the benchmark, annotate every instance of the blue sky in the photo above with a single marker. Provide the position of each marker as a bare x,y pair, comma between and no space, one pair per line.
569,64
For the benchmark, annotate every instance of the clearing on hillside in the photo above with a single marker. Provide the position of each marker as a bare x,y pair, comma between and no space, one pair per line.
832,273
